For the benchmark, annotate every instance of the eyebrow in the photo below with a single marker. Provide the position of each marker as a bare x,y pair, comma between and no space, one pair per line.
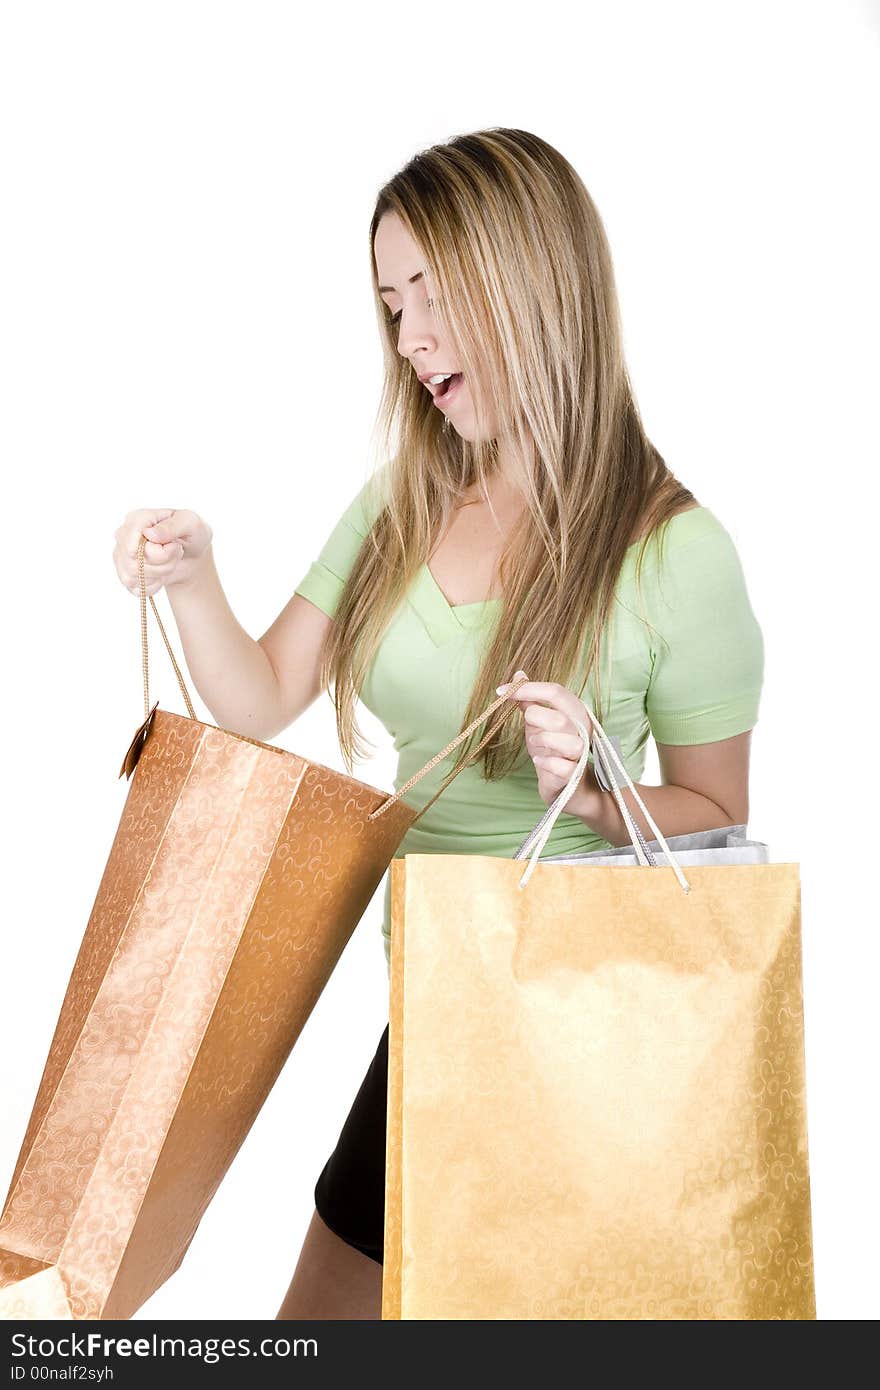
389,289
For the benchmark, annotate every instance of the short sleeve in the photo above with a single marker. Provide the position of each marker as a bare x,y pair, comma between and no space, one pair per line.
707,649
325,579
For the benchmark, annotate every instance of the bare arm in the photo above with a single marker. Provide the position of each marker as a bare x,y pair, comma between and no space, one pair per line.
292,646
704,785
251,687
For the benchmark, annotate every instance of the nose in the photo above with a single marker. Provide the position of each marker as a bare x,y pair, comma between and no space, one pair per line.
417,335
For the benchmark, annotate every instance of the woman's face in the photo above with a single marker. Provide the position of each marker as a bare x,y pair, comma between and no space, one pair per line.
405,288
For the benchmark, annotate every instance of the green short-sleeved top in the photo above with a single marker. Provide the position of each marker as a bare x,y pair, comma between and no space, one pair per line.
693,676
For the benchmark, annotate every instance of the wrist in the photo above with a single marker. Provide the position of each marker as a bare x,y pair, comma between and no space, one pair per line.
599,811
595,806
191,574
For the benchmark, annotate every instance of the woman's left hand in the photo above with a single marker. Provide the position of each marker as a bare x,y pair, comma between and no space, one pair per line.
553,742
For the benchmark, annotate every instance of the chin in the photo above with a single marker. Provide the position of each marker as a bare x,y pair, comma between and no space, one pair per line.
469,434
467,429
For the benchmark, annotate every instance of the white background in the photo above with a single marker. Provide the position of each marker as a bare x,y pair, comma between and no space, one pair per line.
187,321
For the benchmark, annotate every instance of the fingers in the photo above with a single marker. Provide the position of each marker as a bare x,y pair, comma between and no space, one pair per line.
551,693
500,689
563,745
159,561
161,542
159,554
554,743
141,519
163,531
157,528
551,725
557,767
163,549
542,717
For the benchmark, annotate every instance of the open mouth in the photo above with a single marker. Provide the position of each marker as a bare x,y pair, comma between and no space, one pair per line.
447,388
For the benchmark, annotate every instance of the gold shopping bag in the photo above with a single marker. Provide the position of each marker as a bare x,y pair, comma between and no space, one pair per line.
237,874
596,1102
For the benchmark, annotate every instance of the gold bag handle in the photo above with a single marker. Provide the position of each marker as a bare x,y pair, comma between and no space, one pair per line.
137,743
438,757
181,682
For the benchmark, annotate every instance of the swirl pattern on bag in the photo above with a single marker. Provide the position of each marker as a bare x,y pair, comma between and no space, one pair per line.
596,1093
236,877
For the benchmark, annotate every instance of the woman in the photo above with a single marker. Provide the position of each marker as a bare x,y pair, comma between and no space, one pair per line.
520,522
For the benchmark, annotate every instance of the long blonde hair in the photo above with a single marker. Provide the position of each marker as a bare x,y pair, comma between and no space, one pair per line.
520,261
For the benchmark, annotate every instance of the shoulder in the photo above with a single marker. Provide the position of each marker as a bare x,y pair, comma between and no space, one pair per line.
691,542
367,503
694,586
688,507
690,569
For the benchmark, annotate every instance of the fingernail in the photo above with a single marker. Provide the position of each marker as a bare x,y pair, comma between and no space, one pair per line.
517,674
500,689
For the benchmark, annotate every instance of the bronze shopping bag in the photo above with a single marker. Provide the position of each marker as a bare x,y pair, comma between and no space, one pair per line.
596,1102
237,874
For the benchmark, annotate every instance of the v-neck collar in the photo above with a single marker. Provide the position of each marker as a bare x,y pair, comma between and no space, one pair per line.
443,620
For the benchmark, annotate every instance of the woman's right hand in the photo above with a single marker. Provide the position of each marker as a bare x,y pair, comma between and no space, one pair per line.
176,542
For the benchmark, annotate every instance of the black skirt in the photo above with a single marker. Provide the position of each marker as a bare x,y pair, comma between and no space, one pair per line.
350,1192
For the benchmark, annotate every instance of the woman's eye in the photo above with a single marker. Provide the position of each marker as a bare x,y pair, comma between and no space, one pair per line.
395,318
